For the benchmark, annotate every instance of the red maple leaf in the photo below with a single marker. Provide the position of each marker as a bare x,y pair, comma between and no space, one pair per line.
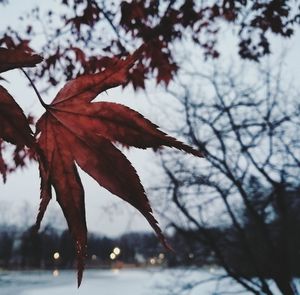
14,126
17,58
76,130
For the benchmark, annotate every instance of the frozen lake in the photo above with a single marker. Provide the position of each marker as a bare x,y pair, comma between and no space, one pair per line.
152,281
107,282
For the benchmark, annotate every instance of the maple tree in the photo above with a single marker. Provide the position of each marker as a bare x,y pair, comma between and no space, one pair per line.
82,36
74,129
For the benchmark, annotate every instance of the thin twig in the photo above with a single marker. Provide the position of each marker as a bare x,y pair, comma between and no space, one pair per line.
35,89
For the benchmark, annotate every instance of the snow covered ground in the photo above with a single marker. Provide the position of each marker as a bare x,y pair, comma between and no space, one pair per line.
151,281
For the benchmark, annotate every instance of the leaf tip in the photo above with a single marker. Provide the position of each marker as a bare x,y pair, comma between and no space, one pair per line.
81,254
79,278
198,153
167,246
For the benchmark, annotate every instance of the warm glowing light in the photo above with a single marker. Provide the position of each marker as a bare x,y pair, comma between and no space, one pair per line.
117,251
55,273
94,257
161,256
56,255
152,261
112,256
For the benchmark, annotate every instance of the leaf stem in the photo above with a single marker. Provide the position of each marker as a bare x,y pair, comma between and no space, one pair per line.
35,89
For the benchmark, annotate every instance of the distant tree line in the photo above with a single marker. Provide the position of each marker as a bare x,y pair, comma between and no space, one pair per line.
27,249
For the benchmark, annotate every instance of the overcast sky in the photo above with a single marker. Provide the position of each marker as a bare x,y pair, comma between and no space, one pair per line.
105,213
